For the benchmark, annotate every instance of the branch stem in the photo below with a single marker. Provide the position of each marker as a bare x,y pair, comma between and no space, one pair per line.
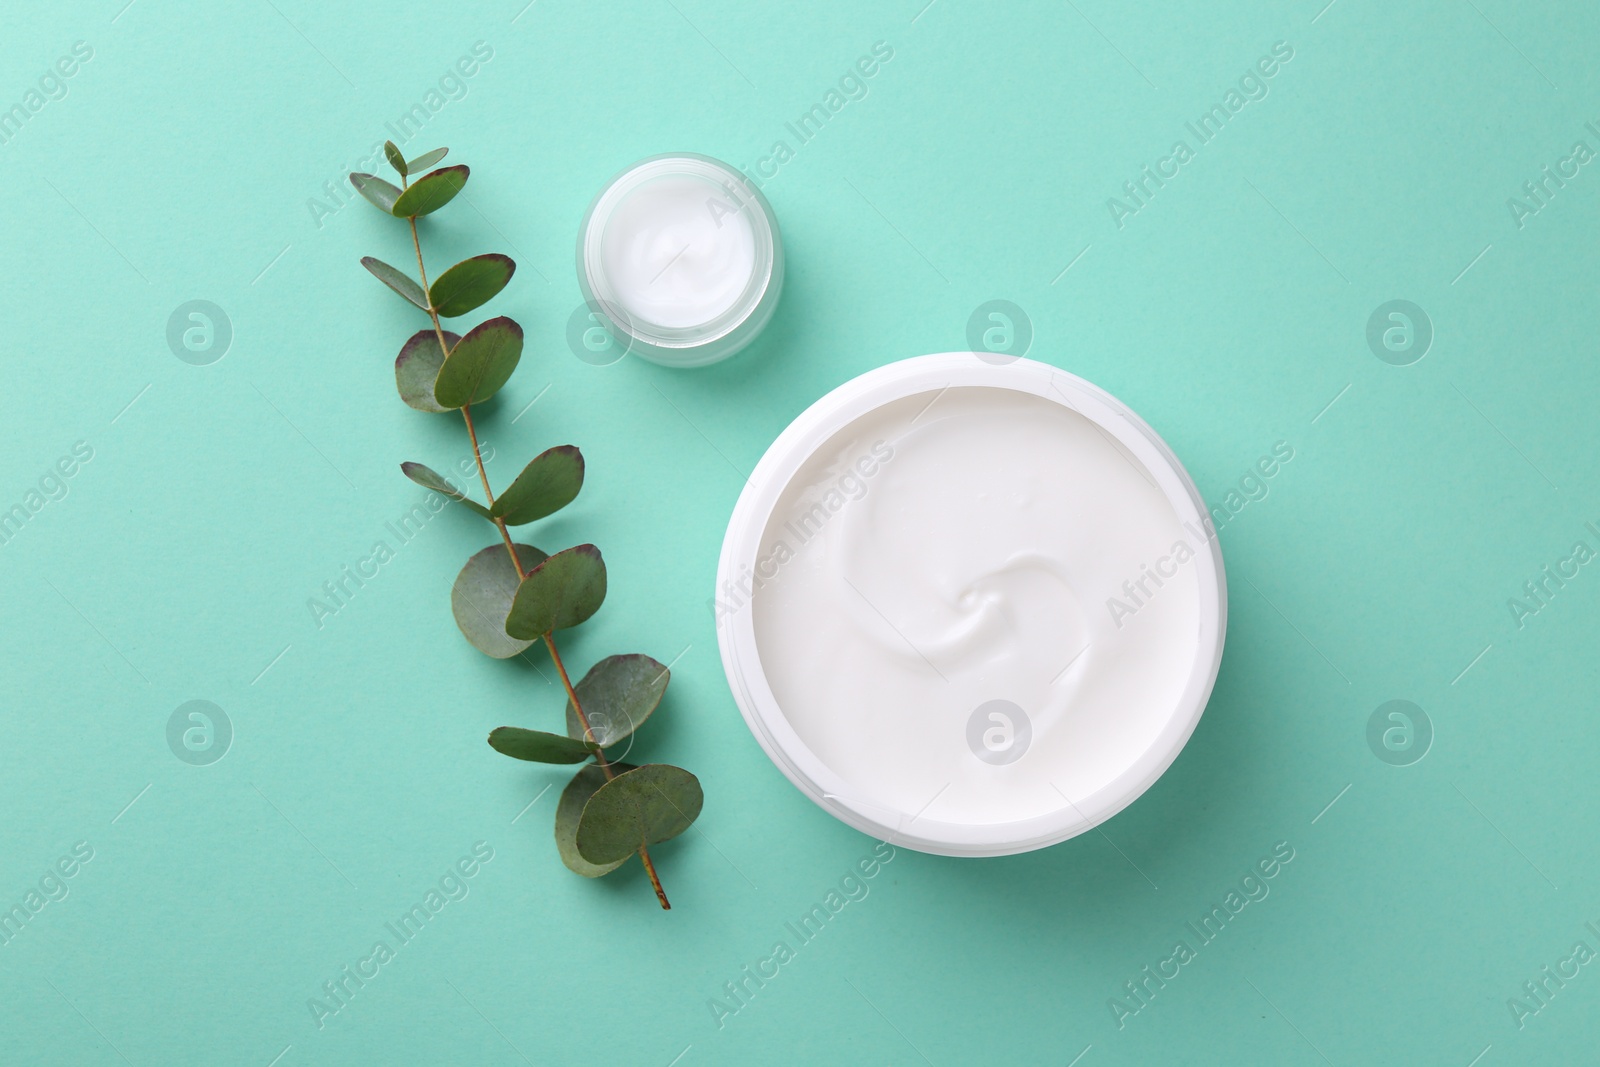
505,535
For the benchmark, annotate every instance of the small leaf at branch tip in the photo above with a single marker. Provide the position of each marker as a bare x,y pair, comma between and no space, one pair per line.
431,192
396,160
426,160
376,191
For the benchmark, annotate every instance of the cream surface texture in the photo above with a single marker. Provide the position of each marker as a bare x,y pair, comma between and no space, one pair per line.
974,606
677,251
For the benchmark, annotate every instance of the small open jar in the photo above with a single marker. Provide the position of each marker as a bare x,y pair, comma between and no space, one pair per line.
681,259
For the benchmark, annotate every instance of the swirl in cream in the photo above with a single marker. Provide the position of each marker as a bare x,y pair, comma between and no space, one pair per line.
974,565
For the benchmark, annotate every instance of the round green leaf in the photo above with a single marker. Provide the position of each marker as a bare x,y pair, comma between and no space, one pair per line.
479,364
649,804
430,192
482,596
618,695
470,284
544,487
377,192
536,746
568,812
426,160
559,593
431,479
396,279
396,160
417,368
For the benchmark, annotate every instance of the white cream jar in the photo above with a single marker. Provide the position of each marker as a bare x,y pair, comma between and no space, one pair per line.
968,608
681,257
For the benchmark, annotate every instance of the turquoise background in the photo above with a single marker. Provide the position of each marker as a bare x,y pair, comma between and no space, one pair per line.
1231,311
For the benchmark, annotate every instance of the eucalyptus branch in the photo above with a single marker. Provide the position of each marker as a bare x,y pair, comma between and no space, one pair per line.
504,603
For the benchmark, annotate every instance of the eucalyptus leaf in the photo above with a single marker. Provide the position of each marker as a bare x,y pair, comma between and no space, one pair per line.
426,160
482,595
470,284
379,193
617,695
431,479
536,746
396,160
430,192
396,279
545,486
641,807
570,809
558,594
417,368
479,364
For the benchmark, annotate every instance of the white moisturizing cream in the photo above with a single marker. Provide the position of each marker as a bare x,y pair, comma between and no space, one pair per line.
970,608
681,257
673,261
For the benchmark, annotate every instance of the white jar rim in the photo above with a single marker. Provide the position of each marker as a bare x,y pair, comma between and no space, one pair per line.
736,630
701,343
